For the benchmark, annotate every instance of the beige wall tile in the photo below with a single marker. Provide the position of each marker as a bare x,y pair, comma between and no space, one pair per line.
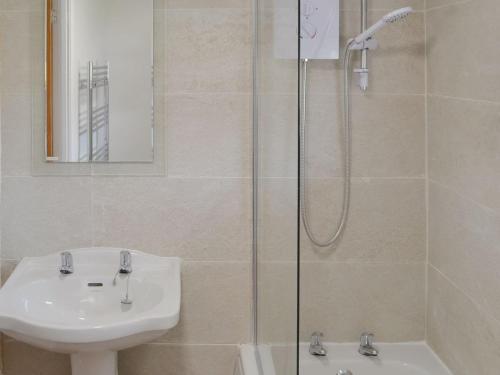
21,5
202,4
22,359
464,336
278,129
430,4
208,51
7,266
16,51
383,4
463,245
201,219
277,219
388,136
277,307
386,221
353,298
16,135
44,215
473,70
463,147
178,359
209,135
216,304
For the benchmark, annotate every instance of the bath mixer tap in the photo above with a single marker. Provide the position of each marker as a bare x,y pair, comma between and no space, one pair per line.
66,263
316,347
366,345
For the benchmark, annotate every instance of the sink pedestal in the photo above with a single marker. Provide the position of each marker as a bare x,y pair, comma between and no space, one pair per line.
94,363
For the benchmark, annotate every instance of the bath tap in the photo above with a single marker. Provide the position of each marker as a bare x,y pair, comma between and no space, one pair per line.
316,347
366,345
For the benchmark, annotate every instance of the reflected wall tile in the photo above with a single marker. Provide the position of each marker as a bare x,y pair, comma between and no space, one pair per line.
216,304
202,219
178,359
208,51
463,147
44,215
386,299
209,135
453,318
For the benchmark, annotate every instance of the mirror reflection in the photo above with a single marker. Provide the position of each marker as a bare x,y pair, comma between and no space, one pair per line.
99,81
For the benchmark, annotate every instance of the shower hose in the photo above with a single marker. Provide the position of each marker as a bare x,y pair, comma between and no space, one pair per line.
304,208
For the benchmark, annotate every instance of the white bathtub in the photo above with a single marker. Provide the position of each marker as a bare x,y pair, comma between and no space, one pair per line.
394,359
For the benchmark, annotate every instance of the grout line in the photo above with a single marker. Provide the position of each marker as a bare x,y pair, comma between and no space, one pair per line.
348,262
191,344
184,260
367,95
489,210
458,98
205,93
426,156
472,301
448,5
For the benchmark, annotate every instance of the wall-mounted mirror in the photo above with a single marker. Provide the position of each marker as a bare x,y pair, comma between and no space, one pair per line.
99,81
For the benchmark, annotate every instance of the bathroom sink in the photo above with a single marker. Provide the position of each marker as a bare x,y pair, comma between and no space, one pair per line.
84,313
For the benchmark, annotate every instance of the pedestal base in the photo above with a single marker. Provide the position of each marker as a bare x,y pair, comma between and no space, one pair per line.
94,363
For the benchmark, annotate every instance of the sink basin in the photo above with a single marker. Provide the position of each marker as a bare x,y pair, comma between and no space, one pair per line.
82,313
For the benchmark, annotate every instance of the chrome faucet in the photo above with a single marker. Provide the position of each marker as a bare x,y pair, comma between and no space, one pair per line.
125,269
66,263
316,347
366,345
125,261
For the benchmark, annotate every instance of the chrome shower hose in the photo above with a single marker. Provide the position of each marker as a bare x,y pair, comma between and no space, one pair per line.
304,209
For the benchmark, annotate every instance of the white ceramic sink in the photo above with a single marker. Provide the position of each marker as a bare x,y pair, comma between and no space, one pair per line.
82,313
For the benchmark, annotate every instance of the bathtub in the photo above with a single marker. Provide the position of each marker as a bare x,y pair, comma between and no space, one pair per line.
394,359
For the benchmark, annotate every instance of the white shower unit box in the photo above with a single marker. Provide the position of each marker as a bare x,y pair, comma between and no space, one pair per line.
319,29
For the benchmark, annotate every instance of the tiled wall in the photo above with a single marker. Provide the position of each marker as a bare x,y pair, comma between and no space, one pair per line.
199,210
345,290
464,177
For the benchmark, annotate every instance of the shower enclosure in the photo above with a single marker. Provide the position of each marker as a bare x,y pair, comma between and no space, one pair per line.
372,279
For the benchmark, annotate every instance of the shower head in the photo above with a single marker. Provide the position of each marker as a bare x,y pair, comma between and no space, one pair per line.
392,17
